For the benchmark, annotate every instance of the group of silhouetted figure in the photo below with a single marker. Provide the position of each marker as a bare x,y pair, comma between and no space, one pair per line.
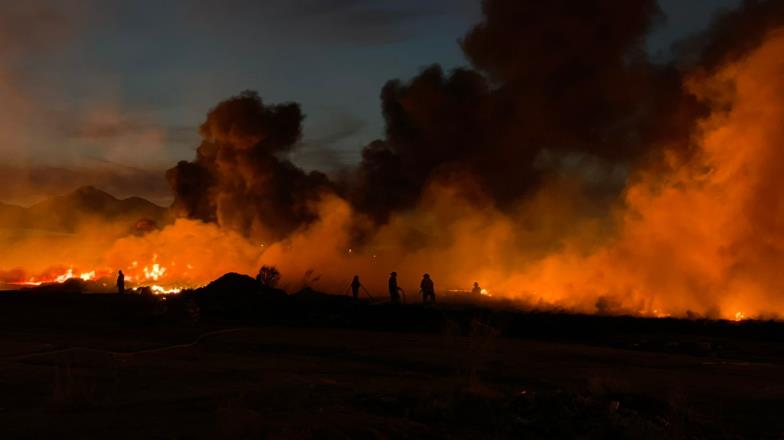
426,288
396,294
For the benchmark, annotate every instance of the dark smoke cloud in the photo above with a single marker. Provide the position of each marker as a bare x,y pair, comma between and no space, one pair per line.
575,75
562,76
437,124
733,33
552,84
571,38
239,179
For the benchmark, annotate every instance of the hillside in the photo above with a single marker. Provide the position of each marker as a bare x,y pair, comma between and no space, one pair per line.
65,212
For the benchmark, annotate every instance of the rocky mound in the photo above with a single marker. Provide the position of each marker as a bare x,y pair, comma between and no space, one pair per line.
237,295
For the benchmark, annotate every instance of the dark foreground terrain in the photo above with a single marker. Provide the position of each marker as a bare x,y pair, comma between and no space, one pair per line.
312,366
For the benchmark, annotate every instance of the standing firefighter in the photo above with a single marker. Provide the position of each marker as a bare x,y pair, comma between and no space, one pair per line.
428,290
355,285
120,282
394,290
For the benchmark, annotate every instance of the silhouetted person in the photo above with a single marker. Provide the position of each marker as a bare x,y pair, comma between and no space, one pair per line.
394,290
355,285
428,290
120,282
476,291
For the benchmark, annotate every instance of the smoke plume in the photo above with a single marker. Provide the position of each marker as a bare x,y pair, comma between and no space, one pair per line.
552,80
239,179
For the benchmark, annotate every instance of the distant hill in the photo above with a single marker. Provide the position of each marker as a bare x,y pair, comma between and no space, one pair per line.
65,212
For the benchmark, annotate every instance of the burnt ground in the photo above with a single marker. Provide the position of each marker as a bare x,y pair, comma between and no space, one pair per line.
312,366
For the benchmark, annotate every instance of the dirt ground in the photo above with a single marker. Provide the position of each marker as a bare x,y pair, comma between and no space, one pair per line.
238,381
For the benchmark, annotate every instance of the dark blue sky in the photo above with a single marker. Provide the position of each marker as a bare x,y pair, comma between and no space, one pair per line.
96,84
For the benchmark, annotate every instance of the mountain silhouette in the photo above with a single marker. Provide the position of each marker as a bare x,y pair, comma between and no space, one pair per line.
64,213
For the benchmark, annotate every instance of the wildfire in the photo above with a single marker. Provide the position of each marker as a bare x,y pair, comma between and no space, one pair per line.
64,277
55,278
483,292
160,290
156,271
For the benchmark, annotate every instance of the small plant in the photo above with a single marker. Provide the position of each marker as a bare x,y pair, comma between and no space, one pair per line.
268,276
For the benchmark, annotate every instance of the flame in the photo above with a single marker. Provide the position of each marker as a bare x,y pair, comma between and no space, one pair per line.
155,271
152,272
64,277
56,276
160,290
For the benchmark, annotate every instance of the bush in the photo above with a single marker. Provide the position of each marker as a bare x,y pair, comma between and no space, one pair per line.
268,276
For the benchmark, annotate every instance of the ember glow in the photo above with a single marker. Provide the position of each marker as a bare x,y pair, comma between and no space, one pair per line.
155,270
158,290
152,276
53,276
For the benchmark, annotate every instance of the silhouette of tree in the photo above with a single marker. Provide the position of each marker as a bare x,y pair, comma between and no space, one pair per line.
268,276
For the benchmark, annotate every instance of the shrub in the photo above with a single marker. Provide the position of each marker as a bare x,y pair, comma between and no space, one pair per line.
268,276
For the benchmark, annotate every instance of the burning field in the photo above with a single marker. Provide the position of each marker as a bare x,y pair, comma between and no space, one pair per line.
571,172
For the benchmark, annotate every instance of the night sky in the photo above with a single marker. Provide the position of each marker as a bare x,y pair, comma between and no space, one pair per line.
111,92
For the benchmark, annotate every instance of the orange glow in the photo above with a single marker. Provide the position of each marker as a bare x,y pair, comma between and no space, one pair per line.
703,238
156,271
162,291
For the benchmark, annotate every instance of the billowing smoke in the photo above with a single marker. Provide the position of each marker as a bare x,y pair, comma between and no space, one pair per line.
734,34
706,236
240,179
566,167
436,126
554,80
